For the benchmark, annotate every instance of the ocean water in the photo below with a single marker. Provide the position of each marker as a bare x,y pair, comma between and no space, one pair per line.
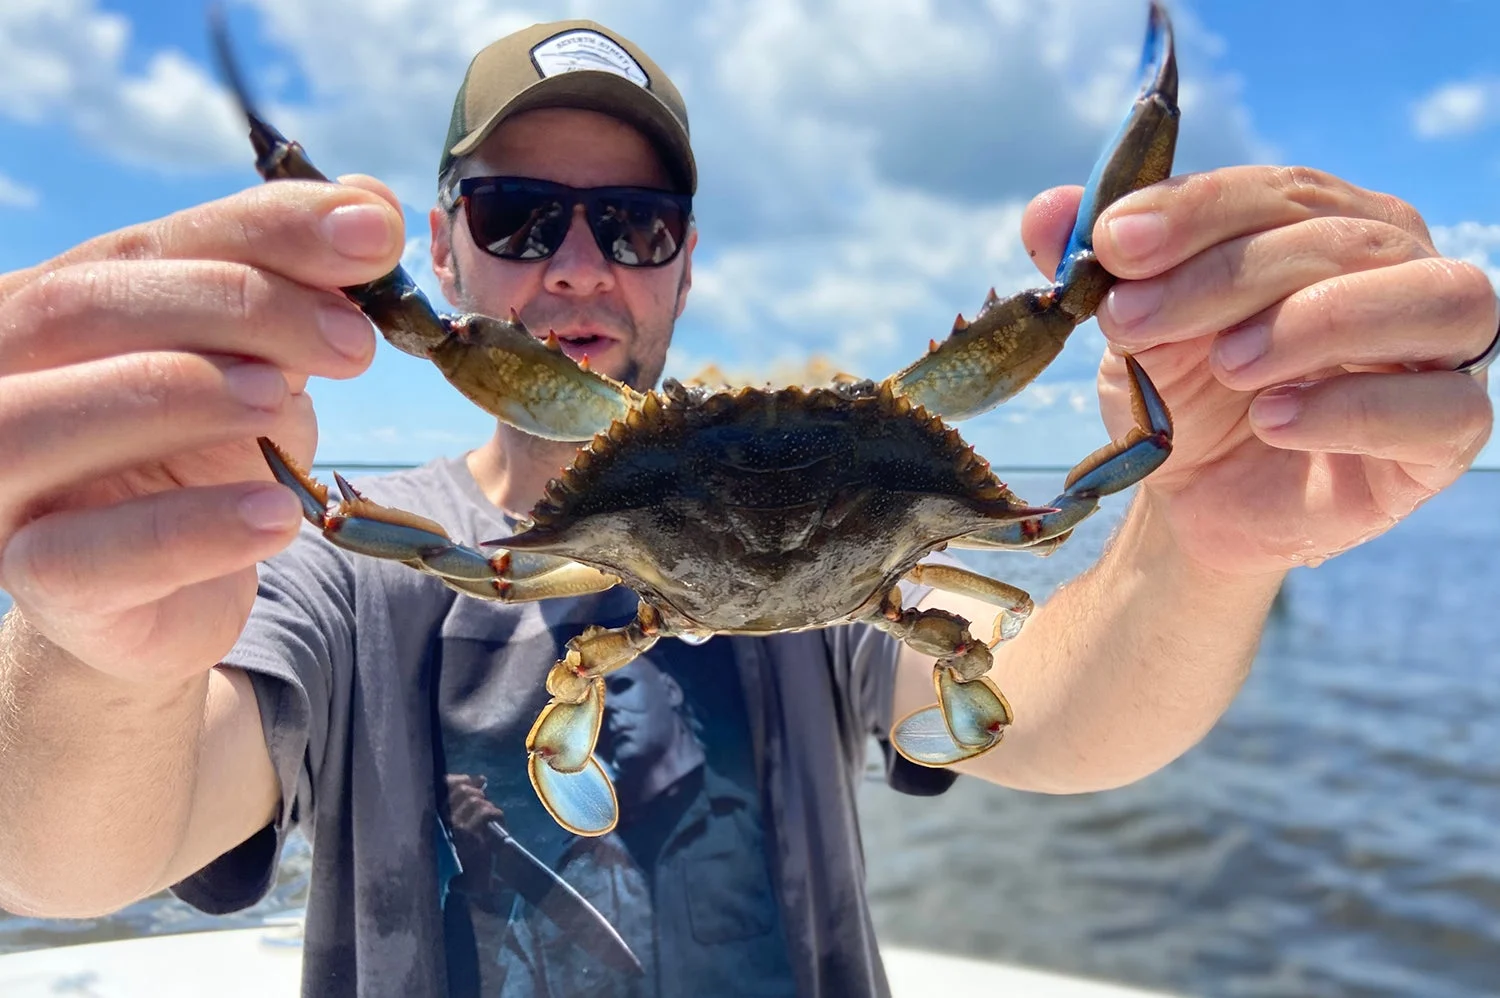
1337,834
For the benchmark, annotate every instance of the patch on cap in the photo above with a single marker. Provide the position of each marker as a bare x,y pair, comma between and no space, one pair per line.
585,49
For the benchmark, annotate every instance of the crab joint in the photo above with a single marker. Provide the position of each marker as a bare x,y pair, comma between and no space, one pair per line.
599,651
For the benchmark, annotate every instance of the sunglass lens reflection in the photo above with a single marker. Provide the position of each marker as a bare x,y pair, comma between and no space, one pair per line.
638,231
518,225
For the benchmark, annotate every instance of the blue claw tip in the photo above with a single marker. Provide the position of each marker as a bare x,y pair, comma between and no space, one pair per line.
1158,74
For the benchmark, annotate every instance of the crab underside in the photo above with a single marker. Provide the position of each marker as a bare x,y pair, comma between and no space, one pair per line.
758,511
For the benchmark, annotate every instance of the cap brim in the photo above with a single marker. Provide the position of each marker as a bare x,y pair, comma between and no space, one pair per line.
607,93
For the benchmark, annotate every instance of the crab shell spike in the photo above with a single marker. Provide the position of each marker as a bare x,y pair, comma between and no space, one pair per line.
583,363
552,342
959,325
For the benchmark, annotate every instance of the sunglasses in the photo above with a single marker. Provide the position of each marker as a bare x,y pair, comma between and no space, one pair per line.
516,218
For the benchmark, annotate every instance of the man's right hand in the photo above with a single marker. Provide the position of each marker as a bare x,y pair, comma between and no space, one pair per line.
136,372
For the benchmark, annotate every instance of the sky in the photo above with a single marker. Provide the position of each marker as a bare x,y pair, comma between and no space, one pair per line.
823,130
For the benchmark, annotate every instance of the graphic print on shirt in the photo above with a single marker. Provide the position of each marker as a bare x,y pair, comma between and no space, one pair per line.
685,878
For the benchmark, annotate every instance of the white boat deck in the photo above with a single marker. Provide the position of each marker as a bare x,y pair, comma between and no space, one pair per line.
266,963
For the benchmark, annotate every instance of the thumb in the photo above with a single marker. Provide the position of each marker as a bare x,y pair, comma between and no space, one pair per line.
1046,223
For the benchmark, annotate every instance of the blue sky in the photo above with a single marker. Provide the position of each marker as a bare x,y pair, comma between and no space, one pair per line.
821,128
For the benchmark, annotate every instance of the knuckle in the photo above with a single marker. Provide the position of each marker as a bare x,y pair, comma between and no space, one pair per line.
1361,242
1460,295
161,384
1315,190
1468,283
55,300
1401,214
1321,312
272,211
1360,411
244,293
145,241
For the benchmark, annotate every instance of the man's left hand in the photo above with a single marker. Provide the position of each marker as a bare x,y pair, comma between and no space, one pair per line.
1303,332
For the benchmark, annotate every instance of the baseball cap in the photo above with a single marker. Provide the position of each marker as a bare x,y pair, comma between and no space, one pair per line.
578,64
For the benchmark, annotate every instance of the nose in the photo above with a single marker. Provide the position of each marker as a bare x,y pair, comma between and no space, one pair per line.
578,267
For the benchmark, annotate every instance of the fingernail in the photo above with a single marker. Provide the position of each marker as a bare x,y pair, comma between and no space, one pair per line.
259,386
272,508
346,330
1275,408
1137,235
1132,302
362,231
1241,347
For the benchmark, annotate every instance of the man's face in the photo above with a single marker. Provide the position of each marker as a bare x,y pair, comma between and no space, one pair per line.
619,317
640,716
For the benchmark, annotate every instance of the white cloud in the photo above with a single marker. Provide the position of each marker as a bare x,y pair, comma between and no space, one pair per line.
1456,109
14,194
64,60
869,296
1475,242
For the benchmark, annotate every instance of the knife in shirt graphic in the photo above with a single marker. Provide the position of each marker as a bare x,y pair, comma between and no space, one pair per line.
582,923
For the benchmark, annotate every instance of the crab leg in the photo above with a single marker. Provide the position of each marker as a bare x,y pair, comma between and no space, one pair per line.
368,528
564,772
1113,467
971,714
1015,604
496,363
984,362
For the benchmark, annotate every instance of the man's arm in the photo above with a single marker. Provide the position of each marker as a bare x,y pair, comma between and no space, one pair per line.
1119,672
136,372
1287,318
113,789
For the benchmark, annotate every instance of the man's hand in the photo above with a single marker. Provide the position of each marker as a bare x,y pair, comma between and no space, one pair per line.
1303,331
470,813
135,373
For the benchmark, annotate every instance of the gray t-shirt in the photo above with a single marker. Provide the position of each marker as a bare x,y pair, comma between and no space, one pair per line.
378,686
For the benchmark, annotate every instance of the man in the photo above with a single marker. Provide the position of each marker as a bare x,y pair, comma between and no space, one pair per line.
1304,332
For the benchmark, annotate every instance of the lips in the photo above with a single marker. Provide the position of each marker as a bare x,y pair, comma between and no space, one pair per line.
579,344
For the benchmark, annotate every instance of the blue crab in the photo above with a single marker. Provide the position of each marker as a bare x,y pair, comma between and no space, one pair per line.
755,511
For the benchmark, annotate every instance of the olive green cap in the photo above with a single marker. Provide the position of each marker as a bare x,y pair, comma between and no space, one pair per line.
571,64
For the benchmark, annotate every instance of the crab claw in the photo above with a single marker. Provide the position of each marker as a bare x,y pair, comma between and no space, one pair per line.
1140,154
984,362
968,720
497,364
313,495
